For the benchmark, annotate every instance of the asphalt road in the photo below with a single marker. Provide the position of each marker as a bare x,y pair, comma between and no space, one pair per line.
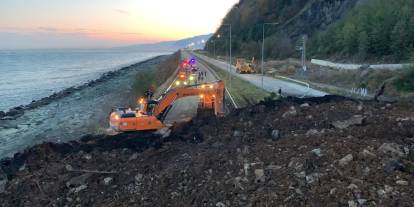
186,108
270,84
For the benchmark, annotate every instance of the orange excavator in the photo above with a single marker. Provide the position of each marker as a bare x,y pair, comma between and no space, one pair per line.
150,114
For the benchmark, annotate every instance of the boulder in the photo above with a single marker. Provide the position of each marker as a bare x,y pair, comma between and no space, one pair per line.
312,132
366,154
77,181
392,149
345,160
352,204
237,133
291,112
139,177
107,180
317,152
275,134
355,120
402,182
220,204
260,178
273,167
394,165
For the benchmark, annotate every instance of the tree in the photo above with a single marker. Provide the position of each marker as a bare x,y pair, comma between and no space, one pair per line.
363,44
399,40
350,40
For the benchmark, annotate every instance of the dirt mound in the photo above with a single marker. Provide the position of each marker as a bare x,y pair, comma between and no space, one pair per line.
329,151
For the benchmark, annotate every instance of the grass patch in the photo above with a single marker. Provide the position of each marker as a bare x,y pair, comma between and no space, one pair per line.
156,76
243,92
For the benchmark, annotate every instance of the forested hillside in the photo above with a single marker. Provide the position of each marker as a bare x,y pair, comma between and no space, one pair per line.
295,18
380,30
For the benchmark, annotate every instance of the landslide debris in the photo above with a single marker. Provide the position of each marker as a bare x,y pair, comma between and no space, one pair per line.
264,155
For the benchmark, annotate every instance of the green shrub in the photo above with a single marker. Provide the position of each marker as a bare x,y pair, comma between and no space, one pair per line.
405,83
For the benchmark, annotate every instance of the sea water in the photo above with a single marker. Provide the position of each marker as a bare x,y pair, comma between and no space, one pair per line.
27,75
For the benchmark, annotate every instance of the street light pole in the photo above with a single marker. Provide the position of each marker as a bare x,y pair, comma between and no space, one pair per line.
263,45
214,43
230,60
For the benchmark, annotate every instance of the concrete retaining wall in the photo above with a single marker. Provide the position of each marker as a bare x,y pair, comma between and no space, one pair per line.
356,67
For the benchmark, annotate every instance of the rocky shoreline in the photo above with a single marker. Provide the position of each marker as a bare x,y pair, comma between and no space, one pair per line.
72,113
19,110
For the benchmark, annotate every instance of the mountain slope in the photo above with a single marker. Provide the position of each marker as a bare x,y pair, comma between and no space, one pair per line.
295,18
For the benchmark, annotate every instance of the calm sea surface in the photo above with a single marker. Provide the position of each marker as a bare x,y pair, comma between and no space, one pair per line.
27,75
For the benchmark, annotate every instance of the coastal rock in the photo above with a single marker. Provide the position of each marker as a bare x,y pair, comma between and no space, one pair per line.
3,182
13,112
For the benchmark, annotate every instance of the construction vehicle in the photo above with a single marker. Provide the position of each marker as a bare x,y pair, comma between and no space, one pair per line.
242,66
150,114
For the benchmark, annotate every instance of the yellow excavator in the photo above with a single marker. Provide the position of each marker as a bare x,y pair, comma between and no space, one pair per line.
243,67
150,114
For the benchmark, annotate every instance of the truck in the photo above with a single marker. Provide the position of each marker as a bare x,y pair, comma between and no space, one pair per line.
244,67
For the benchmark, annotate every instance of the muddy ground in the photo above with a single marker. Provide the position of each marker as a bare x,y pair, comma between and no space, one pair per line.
327,151
71,113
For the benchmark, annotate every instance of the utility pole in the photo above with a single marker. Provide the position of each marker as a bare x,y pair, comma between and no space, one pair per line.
214,43
304,39
263,48
230,60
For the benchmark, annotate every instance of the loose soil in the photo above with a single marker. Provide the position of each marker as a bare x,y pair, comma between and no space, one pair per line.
328,151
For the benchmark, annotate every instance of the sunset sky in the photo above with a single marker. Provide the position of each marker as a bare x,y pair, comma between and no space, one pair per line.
105,23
